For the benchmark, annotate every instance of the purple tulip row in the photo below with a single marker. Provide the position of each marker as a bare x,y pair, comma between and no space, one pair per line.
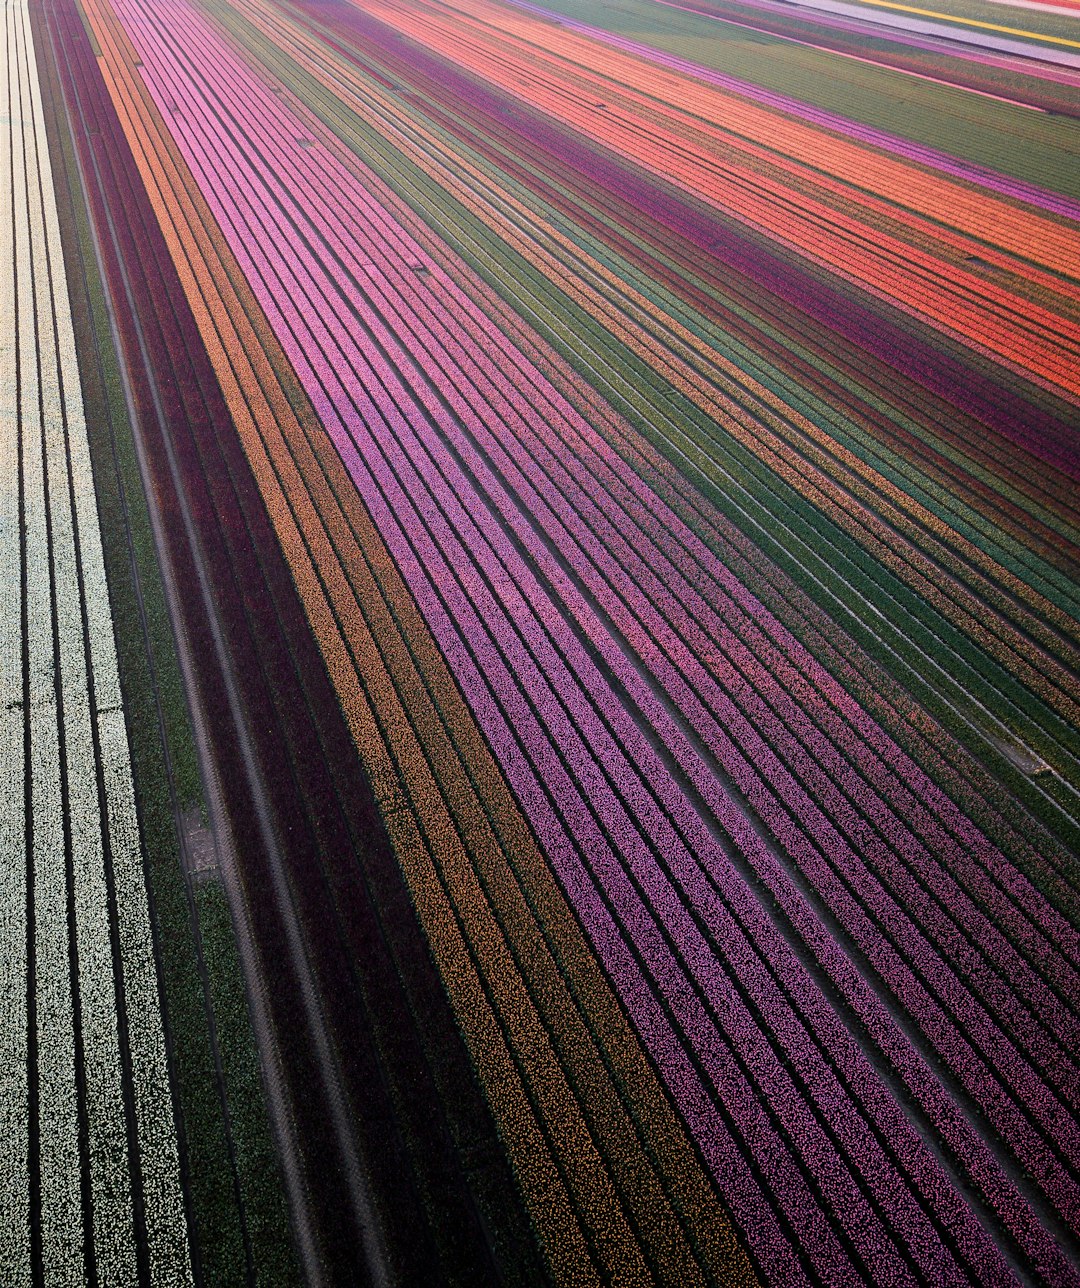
615,667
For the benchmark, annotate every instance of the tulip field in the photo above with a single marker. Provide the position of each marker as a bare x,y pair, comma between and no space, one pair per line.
541,658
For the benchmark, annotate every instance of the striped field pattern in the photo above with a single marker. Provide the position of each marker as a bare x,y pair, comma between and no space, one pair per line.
667,415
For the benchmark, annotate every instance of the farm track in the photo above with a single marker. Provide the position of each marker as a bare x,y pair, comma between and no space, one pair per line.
628,530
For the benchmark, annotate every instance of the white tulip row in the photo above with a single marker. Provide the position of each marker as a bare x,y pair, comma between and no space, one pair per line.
44,440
